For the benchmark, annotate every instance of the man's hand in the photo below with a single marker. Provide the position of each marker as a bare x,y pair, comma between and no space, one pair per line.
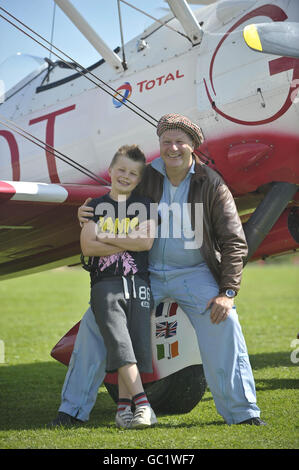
85,211
221,306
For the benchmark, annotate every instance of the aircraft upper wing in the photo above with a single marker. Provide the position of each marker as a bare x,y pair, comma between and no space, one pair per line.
39,228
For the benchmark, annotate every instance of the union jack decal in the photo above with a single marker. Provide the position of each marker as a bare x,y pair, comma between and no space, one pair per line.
166,329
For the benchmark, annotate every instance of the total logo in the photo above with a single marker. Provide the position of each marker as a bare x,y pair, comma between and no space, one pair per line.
124,92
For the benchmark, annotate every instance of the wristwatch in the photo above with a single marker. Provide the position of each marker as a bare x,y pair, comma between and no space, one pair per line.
230,293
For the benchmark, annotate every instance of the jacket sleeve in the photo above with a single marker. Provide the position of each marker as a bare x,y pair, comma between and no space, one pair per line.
230,238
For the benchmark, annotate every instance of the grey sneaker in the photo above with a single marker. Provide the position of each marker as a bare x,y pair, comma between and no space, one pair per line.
123,418
144,416
64,420
254,421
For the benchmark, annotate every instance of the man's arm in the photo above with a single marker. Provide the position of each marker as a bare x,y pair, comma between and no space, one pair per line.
230,237
233,247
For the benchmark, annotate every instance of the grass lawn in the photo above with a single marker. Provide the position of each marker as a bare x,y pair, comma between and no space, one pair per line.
37,310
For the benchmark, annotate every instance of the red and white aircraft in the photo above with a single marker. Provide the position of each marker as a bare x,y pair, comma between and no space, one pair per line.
231,66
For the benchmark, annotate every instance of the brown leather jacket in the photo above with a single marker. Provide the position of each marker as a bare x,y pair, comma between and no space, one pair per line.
224,244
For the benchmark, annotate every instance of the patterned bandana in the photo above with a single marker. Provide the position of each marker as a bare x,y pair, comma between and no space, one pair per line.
177,121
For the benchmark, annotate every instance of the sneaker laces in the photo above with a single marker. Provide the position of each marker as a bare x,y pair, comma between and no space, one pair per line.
126,415
139,411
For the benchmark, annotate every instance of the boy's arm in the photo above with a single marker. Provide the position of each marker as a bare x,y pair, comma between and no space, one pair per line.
140,239
91,246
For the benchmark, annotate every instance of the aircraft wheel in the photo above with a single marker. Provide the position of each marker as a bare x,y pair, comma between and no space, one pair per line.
178,393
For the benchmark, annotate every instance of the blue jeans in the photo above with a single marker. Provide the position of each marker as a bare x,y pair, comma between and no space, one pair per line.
86,370
223,351
222,346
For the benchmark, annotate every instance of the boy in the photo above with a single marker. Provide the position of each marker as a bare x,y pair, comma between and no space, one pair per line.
117,242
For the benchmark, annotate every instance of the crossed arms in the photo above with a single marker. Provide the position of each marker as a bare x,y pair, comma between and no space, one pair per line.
104,244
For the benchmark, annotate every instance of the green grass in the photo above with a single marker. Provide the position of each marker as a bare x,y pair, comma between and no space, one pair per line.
37,310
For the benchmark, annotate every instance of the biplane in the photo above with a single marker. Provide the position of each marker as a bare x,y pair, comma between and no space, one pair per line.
232,66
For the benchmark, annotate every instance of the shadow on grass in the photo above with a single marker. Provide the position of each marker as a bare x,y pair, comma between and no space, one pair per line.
30,393
275,359
30,396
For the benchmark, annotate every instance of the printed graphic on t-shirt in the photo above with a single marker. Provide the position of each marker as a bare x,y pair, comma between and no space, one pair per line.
125,262
117,226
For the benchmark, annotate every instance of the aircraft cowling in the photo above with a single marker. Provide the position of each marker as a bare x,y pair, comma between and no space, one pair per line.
247,154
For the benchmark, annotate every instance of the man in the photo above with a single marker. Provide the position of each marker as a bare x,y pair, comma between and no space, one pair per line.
203,278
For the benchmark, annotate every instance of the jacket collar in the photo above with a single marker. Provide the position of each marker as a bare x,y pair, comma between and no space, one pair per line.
200,168
158,165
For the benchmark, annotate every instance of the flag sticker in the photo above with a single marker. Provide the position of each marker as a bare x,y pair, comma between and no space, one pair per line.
174,349
166,329
167,350
159,310
172,308
166,309
160,351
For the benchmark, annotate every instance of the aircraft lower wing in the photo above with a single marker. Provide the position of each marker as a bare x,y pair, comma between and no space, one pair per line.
38,225
39,229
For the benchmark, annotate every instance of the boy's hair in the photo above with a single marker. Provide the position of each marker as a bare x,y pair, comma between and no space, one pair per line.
133,152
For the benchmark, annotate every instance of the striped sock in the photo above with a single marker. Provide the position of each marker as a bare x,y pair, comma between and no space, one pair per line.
140,399
122,404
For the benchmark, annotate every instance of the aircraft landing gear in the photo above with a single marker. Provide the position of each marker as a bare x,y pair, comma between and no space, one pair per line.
177,393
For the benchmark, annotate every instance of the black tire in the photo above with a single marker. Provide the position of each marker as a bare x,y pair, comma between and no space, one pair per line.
178,393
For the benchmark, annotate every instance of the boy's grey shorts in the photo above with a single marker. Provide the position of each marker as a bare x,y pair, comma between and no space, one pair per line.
122,309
